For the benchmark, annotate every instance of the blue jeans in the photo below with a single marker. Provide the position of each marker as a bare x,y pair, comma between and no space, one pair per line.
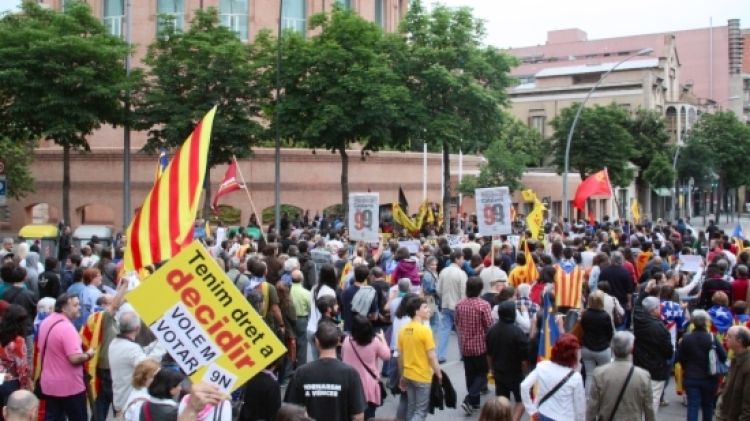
417,400
700,397
300,331
447,321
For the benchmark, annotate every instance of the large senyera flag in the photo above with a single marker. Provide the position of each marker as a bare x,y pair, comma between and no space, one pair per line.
229,184
593,185
165,222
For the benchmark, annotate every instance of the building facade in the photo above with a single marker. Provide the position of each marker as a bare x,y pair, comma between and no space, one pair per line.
684,74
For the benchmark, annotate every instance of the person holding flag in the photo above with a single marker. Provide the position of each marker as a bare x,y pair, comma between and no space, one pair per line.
568,284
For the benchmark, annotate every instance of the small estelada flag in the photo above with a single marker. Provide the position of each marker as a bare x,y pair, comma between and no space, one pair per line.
229,184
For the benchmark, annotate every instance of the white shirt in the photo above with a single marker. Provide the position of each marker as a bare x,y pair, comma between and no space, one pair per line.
451,286
312,322
568,403
137,395
221,412
124,355
489,274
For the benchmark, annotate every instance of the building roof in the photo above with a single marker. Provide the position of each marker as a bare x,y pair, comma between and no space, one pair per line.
598,67
703,55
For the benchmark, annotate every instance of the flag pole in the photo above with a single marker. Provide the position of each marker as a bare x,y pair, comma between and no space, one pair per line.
247,191
612,193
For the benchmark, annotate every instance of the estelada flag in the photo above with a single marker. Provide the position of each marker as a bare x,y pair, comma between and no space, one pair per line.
595,184
549,332
532,273
164,224
229,184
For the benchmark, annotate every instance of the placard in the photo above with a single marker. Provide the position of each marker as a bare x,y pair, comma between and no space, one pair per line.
493,210
411,245
691,263
204,322
364,216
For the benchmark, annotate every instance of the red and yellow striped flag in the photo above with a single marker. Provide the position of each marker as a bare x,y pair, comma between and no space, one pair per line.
532,273
165,223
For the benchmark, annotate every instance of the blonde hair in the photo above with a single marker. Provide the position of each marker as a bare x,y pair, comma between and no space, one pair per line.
144,372
596,300
720,298
498,409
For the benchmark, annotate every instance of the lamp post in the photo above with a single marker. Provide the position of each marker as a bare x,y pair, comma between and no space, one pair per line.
277,145
566,214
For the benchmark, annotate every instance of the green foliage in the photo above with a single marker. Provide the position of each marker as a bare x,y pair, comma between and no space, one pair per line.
506,158
601,139
17,157
268,214
718,145
61,77
189,73
659,172
458,84
339,88
228,215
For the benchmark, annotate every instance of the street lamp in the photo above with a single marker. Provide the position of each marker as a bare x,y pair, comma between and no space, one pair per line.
277,143
642,52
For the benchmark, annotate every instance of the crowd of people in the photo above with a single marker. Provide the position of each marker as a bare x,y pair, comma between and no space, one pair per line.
591,323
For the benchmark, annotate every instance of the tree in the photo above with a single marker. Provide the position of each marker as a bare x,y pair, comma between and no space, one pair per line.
61,77
507,157
17,157
188,74
601,139
339,88
724,143
459,84
651,151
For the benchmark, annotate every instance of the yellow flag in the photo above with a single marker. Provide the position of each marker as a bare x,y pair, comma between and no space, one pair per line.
635,210
528,195
535,220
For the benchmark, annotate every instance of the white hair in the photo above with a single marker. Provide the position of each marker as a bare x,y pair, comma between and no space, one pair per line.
524,290
46,305
291,264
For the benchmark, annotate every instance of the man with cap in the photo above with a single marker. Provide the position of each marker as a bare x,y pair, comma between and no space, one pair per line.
508,354
492,274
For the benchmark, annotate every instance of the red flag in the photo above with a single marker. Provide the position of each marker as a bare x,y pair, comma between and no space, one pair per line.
229,184
595,184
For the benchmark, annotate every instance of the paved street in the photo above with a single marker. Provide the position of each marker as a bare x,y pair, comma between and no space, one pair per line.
454,369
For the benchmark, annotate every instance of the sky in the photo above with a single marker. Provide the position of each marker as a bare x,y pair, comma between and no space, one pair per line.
525,23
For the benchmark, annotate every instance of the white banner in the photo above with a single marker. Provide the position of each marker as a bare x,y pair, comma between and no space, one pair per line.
493,210
364,216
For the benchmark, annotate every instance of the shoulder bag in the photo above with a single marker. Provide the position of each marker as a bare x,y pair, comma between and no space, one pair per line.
383,393
622,392
38,383
715,366
554,389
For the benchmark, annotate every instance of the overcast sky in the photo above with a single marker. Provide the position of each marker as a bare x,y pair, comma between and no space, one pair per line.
524,23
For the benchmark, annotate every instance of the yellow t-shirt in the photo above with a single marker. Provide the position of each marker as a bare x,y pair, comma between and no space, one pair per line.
414,340
518,276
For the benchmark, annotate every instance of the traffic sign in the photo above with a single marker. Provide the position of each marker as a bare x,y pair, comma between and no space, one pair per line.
3,190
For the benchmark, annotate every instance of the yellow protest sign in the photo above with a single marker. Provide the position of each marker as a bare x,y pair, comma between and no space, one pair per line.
204,321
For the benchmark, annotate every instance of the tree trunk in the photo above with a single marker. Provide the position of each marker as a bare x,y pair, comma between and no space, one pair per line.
207,198
66,185
447,191
344,183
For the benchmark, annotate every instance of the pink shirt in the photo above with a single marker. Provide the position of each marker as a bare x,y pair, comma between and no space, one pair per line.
370,354
59,377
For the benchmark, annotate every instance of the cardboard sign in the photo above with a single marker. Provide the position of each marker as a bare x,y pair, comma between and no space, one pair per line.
204,322
364,216
493,210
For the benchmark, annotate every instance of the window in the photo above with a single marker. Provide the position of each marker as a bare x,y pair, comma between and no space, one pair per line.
66,4
379,13
293,15
172,8
536,122
586,78
114,16
346,4
233,15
